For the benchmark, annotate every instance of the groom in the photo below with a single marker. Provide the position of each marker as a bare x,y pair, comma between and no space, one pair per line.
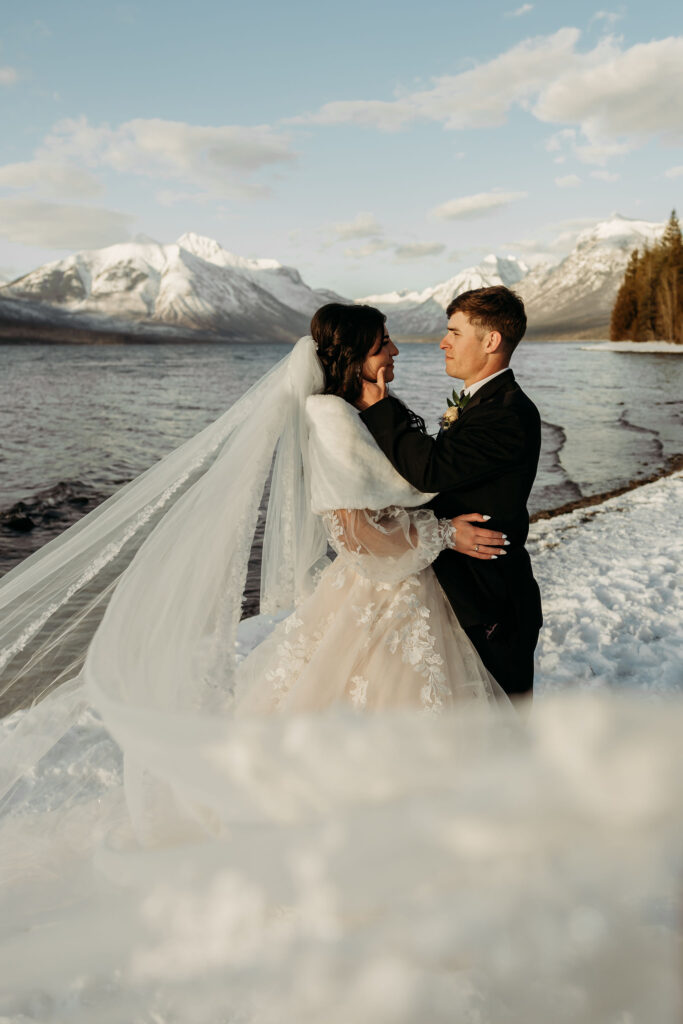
484,459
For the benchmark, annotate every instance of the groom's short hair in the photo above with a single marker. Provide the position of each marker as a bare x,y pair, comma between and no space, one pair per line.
493,309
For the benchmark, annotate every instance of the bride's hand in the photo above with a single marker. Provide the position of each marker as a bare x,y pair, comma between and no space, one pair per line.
477,541
373,391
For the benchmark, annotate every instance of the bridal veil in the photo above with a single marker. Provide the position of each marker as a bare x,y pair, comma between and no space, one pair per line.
135,608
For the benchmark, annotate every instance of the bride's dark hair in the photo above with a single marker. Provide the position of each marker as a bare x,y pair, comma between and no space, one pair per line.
343,337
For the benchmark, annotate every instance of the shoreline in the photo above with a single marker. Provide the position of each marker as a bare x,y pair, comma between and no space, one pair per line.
674,463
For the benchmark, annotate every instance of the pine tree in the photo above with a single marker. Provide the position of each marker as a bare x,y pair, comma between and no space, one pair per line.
625,307
669,292
649,304
643,329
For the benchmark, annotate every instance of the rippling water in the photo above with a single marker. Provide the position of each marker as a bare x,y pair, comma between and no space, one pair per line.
77,421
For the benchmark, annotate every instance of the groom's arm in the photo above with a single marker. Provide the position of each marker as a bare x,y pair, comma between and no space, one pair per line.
474,449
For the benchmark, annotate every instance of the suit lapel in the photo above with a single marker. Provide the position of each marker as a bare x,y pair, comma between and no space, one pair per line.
502,380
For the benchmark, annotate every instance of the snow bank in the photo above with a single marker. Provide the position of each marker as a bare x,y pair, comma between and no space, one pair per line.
610,581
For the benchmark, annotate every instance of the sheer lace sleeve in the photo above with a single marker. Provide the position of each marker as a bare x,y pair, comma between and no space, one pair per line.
389,544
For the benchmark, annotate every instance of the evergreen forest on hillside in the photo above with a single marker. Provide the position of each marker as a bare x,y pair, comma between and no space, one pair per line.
649,304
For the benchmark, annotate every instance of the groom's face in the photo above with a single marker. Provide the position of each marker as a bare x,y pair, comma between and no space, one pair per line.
463,345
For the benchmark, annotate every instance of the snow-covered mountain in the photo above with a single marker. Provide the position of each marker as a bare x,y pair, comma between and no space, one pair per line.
196,289
193,285
421,314
572,296
576,296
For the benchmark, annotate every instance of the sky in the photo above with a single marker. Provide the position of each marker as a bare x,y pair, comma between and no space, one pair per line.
374,146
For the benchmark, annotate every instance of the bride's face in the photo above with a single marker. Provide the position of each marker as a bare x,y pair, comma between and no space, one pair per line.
382,353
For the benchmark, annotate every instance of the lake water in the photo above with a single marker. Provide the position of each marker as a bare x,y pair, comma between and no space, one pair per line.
77,421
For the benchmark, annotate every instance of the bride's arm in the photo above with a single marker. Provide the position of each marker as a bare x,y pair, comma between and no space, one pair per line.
390,544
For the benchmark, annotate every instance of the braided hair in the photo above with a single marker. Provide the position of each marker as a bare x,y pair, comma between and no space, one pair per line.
344,334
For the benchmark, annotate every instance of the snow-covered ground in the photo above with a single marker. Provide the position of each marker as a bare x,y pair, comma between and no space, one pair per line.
635,346
394,869
610,577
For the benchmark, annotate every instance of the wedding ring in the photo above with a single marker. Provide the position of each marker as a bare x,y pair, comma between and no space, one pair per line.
476,547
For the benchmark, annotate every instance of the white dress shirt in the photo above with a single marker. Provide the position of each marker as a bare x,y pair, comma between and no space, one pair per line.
480,383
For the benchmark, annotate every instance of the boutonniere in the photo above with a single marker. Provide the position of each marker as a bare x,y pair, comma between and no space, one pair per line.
456,406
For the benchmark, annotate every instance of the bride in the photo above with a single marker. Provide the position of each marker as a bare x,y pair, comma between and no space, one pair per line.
134,612
141,754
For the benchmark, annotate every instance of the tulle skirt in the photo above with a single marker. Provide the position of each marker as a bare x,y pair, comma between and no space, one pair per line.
369,645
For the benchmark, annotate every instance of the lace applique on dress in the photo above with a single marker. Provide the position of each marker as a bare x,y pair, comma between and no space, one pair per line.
293,655
414,641
359,691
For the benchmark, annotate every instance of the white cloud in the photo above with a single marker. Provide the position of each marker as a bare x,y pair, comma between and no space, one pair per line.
418,250
476,205
217,159
554,241
674,172
619,98
608,18
480,96
386,115
568,181
557,141
524,9
567,233
603,175
8,76
61,225
173,196
369,249
51,179
613,98
363,225
403,253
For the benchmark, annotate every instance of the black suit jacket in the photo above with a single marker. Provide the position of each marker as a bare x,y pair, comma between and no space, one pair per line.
484,462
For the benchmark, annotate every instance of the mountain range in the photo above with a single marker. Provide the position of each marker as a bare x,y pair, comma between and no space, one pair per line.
195,289
572,297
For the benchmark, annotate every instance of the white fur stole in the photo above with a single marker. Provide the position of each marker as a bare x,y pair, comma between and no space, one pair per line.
347,467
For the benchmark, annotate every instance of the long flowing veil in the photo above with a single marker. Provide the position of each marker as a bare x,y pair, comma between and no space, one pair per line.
134,610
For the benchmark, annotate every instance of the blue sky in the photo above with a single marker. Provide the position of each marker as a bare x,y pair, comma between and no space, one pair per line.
372,145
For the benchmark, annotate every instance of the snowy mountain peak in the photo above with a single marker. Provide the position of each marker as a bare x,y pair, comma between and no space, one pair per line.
578,293
213,252
508,268
200,245
619,232
193,284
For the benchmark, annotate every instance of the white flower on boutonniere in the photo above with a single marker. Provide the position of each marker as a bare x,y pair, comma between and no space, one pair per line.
456,406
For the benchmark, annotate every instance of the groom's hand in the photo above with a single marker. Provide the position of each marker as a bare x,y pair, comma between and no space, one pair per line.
477,541
373,391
